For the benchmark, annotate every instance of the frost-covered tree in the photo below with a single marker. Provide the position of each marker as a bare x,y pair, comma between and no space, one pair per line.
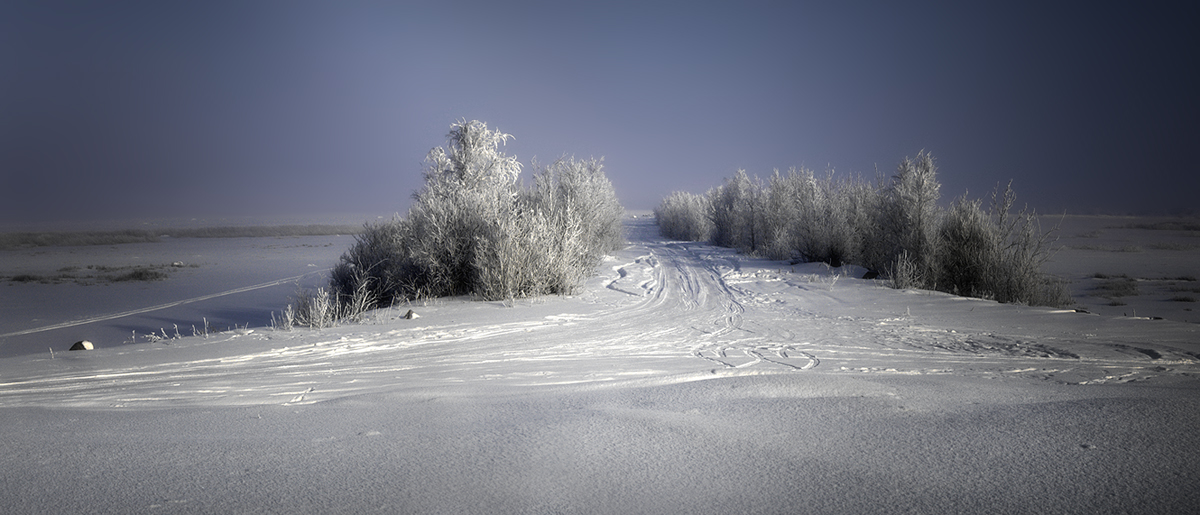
735,213
472,230
892,227
474,160
684,216
968,261
470,190
911,214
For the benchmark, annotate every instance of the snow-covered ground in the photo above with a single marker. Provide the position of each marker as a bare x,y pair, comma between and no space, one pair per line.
682,378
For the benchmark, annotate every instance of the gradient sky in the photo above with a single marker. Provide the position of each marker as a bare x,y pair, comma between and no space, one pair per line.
157,109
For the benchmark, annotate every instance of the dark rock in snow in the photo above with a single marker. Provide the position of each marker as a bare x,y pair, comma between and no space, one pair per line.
411,315
871,274
82,345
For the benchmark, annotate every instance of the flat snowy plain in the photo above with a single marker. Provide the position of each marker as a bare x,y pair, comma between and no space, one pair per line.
682,378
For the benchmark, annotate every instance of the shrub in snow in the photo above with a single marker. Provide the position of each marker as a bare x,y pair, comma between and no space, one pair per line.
473,230
862,201
684,216
815,218
896,229
968,263
905,273
735,209
910,216
316,309
794,215
997,256
559,230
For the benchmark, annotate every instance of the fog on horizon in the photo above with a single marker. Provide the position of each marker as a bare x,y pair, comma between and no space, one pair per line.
167,110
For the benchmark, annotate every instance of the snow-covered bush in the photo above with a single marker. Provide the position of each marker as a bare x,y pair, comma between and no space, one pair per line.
795,215
1019,251
996,256
827,235
735,209
784,208
579,198
862,201
910,214
789,213
315,309
896,228
684,216
968,262
474,231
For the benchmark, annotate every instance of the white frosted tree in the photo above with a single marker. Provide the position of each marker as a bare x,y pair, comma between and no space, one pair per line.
474,231
474,161
735,213
912,215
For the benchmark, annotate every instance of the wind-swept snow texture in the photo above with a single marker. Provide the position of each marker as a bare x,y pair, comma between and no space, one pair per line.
682,379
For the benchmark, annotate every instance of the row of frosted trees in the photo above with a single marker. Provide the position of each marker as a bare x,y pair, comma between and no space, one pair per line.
475,230
895,228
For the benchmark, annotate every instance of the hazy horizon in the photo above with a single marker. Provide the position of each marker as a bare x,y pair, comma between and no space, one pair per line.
227,109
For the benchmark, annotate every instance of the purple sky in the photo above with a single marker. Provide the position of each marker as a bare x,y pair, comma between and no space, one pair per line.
158,109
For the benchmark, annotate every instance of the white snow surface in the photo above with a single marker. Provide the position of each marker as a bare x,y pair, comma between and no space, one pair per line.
682,378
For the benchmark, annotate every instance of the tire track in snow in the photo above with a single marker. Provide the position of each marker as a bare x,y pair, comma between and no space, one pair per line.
700,311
